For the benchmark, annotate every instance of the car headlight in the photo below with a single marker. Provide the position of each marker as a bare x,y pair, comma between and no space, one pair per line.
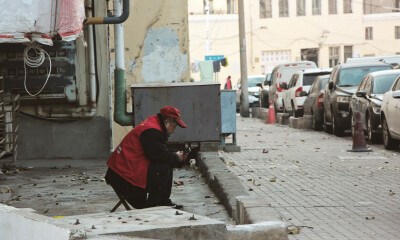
343,99
376,110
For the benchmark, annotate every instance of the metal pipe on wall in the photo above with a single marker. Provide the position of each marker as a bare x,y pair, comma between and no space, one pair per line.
122,16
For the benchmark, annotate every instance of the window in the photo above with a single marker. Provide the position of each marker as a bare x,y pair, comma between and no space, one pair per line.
368,33
332,6
316,7
210,8
283,8
347,6
301,7
397,32
231,6
380,6
396,6
265,9
348,52
334,56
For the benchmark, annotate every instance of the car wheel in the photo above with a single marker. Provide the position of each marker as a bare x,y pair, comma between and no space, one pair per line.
337,130
315,125
372,137
388,141
327,128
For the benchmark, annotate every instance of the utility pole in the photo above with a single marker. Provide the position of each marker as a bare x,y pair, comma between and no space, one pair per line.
244,96
207,8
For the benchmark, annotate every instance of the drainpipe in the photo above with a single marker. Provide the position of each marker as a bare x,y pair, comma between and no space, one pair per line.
121,116
113,20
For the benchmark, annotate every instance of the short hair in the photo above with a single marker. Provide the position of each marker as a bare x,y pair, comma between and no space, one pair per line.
165,118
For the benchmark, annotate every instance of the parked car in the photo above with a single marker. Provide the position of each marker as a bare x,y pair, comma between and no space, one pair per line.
368,101
390,115
313,104
343,83
281,74
264,91
393,60
253,90
299,85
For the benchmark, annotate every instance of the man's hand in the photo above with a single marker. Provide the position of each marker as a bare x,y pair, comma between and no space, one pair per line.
181,156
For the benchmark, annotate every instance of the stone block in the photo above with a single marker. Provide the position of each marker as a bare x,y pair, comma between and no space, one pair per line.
299,123
255,111
283,118
231,148
258,231
263,114
307,122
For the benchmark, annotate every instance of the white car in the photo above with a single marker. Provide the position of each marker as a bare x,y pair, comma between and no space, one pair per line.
281,75
253,90
298,88
390,115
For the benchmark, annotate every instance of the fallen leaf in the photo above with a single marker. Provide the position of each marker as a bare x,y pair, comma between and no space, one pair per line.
265,151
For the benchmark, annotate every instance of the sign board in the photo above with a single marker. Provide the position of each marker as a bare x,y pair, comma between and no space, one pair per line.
214,57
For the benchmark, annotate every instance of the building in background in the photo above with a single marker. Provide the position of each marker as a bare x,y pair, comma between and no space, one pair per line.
277,31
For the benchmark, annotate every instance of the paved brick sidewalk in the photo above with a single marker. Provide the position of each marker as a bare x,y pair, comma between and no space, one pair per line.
314,183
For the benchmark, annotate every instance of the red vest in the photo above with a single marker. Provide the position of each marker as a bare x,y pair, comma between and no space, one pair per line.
228,84
128,159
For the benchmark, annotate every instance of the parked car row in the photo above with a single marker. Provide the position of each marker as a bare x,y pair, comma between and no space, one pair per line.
333,97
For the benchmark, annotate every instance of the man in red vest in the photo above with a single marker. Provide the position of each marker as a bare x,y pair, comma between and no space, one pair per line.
140,168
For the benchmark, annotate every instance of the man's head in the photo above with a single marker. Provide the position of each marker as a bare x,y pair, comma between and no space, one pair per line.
229,77
171,117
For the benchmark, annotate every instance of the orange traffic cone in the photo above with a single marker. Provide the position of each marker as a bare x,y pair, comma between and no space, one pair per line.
271,114
359,144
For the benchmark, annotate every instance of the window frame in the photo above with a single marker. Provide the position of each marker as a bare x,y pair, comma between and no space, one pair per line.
347,6
314,3
299,3
330,4
369,33
283,12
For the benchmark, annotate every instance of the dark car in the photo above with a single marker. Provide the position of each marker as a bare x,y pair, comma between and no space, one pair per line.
368,101
264,91
343,83
313,104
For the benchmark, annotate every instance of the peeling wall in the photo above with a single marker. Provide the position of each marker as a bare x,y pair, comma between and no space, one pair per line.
156,47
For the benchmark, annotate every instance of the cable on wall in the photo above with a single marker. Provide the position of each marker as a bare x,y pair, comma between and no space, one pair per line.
35,61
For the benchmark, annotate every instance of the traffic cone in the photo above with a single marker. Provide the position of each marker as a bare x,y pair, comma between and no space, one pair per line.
359,144
271,114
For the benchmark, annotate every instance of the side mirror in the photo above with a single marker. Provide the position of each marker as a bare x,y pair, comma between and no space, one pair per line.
362,94
260,85
330,85
303,93
284,85
269,83
396,94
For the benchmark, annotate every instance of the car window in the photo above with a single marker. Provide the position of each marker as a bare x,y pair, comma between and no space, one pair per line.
313,86
252,82
382,84
274,75
323,81
308,79
291,81
353,76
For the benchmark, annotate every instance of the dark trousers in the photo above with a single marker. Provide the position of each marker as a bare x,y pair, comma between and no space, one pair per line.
156,193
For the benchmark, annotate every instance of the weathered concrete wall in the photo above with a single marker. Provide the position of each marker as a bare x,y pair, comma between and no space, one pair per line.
88,138
156,47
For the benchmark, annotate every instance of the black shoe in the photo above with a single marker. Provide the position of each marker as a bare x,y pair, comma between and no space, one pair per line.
169,203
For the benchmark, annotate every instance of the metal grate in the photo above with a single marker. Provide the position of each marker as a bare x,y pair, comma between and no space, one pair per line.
9,105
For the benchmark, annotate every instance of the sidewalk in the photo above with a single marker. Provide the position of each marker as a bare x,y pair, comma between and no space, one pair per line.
316,185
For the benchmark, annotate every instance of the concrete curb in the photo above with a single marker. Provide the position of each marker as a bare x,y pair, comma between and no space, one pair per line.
219,179
259,219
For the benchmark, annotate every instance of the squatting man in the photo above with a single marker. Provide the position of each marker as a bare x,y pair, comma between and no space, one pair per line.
140,168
